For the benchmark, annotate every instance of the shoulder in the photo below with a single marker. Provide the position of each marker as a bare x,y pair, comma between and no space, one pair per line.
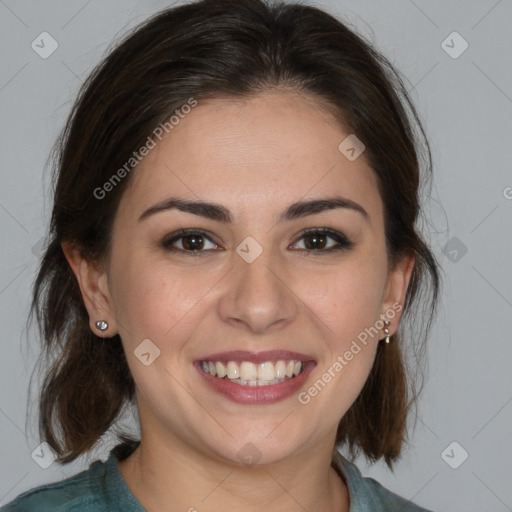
80,492
368,494
391,501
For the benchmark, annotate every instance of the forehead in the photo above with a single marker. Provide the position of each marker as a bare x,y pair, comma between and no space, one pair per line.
271,149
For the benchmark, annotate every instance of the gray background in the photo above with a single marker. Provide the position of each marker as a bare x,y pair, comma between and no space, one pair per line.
466,104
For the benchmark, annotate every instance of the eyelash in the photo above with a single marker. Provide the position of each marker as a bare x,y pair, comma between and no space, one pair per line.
343,242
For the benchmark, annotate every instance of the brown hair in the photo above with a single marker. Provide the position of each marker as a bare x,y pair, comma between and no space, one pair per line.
215,49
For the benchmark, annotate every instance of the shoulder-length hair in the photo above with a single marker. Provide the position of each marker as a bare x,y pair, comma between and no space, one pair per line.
223,49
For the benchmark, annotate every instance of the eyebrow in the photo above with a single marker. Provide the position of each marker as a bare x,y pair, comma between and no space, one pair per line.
219,213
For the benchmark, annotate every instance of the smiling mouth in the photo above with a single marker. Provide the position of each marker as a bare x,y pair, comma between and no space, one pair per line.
247,373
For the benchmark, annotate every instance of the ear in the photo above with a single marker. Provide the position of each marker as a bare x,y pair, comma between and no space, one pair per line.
396,290
93,283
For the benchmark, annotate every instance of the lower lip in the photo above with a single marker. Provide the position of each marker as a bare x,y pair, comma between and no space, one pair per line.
257,394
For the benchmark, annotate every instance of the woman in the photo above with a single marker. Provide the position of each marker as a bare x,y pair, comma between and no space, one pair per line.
232,250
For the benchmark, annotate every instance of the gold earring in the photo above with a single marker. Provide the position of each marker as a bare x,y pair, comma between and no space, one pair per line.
386,330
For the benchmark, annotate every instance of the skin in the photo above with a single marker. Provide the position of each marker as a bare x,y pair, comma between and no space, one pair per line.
255,157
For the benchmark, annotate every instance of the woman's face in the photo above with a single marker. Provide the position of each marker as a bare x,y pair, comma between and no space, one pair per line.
251,285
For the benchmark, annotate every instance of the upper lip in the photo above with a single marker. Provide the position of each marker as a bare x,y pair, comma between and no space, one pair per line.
257,357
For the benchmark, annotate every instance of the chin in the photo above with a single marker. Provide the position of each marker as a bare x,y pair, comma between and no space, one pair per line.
259,449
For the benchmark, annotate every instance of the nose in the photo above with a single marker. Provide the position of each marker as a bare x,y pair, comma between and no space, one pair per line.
259,295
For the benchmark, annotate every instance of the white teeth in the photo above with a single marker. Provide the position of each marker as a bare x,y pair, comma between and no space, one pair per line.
248,371
250,374
266,371
233,371
221,369
258,382
280,369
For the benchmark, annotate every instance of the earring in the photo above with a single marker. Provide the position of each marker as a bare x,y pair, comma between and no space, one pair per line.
101,325
386,330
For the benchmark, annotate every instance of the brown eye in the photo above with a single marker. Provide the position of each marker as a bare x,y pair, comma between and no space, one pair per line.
190,241
317,241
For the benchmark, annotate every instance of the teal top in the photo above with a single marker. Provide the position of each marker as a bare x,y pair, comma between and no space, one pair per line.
102,488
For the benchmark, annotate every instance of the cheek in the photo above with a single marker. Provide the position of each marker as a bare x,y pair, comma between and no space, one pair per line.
348,308
158,305
346,298
152,300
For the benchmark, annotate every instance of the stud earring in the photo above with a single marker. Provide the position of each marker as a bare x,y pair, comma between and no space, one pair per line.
101,325
386,330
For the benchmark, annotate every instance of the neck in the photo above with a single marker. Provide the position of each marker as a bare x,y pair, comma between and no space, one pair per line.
177,478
